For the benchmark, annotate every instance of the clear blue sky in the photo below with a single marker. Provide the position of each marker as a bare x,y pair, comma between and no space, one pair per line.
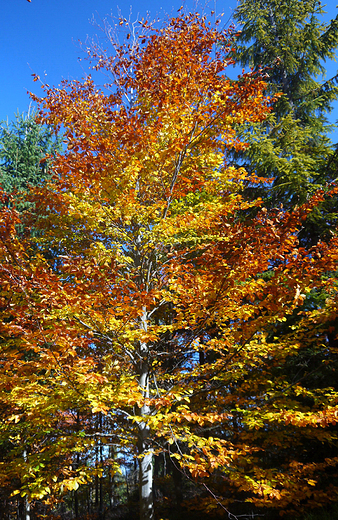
42,36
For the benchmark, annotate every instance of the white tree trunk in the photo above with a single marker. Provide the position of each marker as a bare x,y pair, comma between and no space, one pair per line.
146,483
27,504
28,509
146,454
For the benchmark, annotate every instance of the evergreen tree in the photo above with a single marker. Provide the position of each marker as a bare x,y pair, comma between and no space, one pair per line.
26,150
291,42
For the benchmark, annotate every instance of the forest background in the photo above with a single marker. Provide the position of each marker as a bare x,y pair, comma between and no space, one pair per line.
169,310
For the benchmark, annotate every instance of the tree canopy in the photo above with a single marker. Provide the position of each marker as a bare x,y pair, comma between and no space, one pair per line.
26,151
291,43
156,329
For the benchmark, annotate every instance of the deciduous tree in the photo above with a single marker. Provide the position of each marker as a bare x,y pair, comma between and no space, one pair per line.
160,313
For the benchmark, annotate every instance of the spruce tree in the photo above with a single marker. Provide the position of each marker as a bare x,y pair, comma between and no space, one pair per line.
26,150
290,42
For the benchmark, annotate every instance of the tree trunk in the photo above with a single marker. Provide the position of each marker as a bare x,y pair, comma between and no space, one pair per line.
145,476
145,453
27,505
111,481
27,509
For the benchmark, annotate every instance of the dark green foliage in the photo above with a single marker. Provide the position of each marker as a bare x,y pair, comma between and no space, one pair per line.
290,42
26,150
289,39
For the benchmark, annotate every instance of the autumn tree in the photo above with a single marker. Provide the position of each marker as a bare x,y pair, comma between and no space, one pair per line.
157,264
26,151
292,43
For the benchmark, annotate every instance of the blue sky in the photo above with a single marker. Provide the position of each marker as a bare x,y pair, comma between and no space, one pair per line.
42,37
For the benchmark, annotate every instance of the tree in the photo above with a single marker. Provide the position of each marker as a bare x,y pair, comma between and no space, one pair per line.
290,42
158,267
26,151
